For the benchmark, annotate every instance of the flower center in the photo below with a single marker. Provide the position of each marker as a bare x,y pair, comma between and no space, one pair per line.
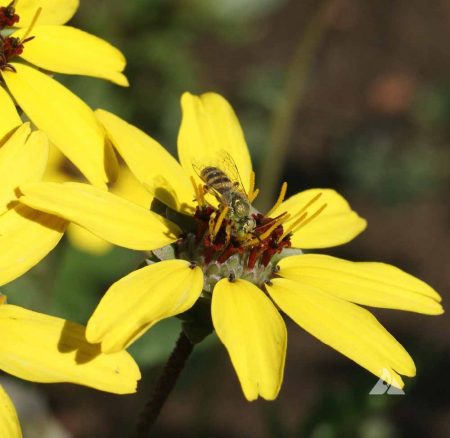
8,16
228,245
11,47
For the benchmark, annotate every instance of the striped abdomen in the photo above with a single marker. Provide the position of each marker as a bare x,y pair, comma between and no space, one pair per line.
217,180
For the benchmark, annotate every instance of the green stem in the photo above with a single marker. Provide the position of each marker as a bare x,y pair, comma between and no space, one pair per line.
164,386
284,114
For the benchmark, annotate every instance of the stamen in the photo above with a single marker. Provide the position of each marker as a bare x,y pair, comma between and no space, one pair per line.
313,216
303,213
279,221
219,221
275,223
33,22
201,193
251,189
308,204
280,198
254,196
293,225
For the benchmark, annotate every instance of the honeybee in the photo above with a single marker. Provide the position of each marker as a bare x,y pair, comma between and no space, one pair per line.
226,185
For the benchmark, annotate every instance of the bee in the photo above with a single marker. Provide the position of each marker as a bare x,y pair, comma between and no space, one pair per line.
226,185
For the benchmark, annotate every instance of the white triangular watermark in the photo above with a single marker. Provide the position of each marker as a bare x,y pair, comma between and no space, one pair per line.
387,384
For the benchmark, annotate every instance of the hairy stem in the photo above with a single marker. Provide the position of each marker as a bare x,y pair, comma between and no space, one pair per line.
164,385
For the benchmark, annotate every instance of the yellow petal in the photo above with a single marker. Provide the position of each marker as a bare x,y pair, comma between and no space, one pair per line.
128,187
254,334
65,49
10,119
141,299
45,349
106,215
209,128
86,241
370,284
346,327
22,160
26,237
53,11
55,166
152,165
9,423
335,225
67,120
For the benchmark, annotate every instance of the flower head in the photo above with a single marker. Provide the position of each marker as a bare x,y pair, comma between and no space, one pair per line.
46,349
33,31
239,264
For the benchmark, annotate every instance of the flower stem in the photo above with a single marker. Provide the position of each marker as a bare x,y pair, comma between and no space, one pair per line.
164,385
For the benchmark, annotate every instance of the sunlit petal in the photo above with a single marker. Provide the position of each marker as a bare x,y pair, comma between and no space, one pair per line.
106,215
21,162
26,237
254,334
65,49
10,119
45,349
335,225
209,128
370,284
9,423
344,326
152,165
66,119
53,11
141,299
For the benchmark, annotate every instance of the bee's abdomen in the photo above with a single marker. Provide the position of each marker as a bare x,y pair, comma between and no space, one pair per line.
217,179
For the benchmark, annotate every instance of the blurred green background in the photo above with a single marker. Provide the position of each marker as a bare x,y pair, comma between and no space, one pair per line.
348,94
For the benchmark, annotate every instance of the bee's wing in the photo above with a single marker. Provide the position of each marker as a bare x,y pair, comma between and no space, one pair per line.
226,163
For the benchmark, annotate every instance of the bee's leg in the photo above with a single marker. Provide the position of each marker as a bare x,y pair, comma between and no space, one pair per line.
227,233
211,223
207,189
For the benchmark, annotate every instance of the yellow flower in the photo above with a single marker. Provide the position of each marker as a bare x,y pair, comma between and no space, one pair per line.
46,44
46,349
241,265
26,235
